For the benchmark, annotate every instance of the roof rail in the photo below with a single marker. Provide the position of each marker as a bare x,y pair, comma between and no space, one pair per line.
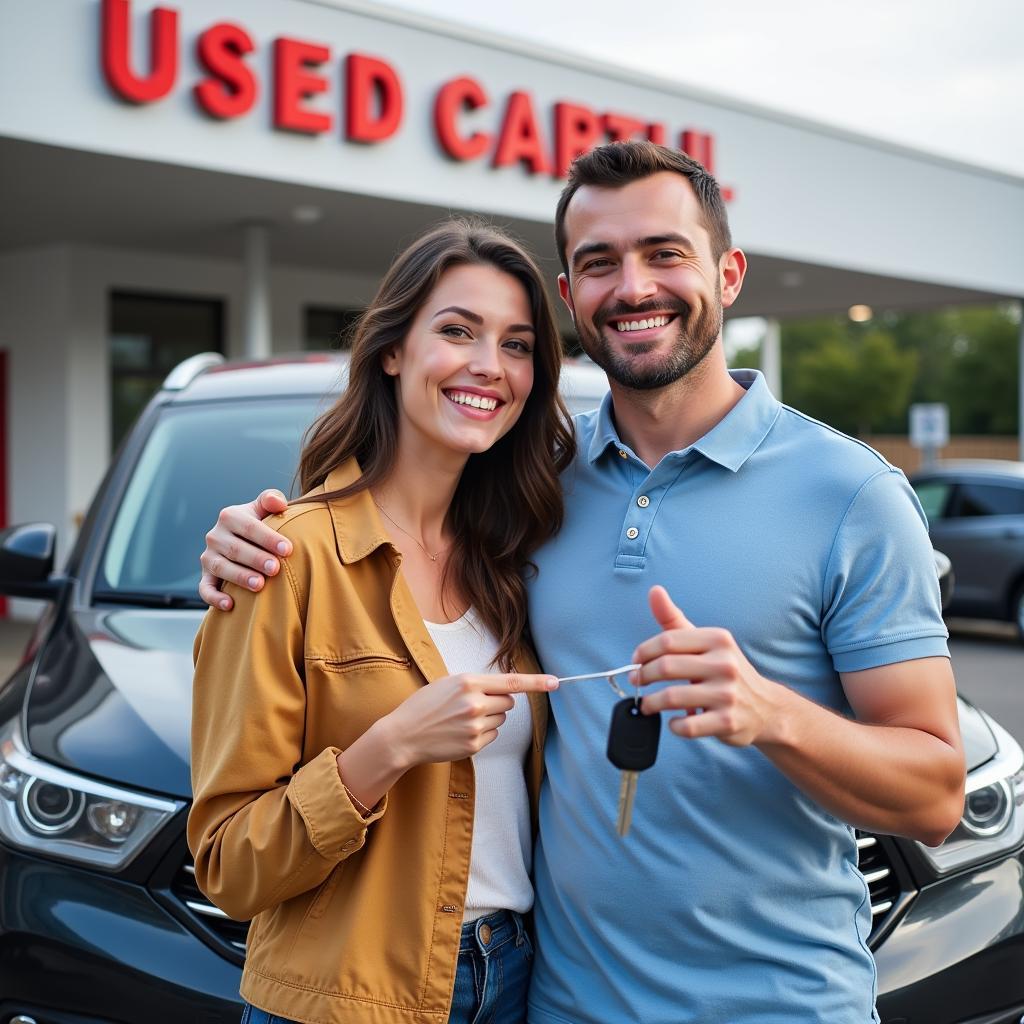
185,372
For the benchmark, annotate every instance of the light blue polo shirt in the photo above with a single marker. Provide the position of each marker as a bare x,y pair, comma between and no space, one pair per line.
735,899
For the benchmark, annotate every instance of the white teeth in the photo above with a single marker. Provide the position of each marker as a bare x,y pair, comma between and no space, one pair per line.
641,325
476,401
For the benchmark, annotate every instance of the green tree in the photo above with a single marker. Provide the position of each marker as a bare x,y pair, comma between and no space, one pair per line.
967,357
981,376
854,386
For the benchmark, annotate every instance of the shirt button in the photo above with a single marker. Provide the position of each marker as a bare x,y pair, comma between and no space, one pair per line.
643,501
622,454
632,533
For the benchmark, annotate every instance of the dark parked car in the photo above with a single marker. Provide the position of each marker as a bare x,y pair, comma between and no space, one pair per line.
975,509
100,917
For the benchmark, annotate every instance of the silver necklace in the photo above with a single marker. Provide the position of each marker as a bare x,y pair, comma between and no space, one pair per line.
419,543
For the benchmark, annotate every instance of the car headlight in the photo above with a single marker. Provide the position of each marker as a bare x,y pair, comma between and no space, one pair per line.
48,810
993,818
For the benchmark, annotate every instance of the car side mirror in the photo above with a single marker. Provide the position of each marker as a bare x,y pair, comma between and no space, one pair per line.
944,568
26,561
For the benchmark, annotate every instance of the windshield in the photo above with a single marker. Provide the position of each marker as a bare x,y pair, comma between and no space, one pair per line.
197,459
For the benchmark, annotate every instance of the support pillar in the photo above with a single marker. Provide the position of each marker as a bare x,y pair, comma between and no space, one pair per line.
771,357
256,338
1020,385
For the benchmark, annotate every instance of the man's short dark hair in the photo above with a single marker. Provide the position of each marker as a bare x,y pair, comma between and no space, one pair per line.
621,163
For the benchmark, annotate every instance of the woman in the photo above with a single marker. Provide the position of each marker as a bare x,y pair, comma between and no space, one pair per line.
377,829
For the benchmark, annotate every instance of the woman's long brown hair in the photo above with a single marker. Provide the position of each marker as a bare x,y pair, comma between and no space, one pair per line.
508,500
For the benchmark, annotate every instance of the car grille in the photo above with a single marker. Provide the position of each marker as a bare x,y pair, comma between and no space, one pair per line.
877,869
872,859
210,921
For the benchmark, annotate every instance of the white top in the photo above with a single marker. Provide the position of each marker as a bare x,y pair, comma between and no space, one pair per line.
499,865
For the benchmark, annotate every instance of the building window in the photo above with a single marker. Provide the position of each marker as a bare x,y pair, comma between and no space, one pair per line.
326,328
149,336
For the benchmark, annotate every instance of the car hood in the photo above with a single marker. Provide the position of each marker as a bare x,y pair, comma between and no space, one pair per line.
111,697
980,744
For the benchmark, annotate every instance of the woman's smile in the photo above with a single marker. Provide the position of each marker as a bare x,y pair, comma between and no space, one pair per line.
474,402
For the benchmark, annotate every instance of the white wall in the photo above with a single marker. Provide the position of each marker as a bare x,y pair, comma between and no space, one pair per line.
35,311
54,325
35,314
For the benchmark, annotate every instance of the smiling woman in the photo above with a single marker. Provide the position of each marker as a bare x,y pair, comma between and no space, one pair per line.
465,369
320,759
462,314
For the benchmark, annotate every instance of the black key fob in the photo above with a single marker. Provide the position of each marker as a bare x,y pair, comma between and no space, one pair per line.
633,737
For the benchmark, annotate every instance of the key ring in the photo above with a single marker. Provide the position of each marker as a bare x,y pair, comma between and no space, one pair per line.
609,675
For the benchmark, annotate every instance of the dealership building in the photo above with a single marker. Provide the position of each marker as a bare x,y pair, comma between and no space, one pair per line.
197,175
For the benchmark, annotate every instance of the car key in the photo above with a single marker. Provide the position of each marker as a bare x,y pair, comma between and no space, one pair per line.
632,748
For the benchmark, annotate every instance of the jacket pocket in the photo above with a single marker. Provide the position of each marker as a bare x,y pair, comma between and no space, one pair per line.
362,661
317,903
324,893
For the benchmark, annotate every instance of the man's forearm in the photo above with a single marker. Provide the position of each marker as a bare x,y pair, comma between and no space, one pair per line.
883,778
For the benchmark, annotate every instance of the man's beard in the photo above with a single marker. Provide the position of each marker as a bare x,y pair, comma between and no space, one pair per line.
695,337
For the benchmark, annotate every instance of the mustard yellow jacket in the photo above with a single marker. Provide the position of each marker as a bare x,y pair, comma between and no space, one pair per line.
355,921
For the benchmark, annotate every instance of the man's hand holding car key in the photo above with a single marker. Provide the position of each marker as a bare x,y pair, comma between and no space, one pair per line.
733,703
718,691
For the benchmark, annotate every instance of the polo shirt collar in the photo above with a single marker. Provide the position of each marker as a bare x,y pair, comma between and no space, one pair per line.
730,442
358,529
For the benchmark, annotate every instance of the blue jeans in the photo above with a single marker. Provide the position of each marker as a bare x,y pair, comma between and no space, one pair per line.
492,980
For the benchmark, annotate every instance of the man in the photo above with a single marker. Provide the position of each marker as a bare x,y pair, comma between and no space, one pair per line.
801,655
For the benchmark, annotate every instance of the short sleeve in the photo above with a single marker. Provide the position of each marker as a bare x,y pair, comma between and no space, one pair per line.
881,589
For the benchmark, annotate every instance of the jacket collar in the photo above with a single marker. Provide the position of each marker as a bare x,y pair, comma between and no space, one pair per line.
358,529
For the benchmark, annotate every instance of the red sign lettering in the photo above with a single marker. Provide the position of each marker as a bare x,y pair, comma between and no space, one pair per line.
231,89
519,138
452,98
373,97
115,35
700,146
577,131
371,82
621,128
294,83
656,133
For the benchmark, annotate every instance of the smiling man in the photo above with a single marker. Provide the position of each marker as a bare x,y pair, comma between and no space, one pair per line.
801,656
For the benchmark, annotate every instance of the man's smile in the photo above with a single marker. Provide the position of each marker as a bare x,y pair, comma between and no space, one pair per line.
628,325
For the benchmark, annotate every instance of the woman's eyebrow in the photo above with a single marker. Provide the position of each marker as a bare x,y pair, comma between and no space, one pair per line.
477,319
468,314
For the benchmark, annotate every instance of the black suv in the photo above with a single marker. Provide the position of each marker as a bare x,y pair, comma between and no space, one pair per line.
100,917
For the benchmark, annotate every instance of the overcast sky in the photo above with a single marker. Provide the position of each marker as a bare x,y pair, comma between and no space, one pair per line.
941,75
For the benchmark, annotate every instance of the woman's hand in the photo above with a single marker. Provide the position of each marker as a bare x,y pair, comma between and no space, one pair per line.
457,716
452,718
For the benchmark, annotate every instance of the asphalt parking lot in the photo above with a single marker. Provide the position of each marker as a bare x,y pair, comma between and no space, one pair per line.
988,660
